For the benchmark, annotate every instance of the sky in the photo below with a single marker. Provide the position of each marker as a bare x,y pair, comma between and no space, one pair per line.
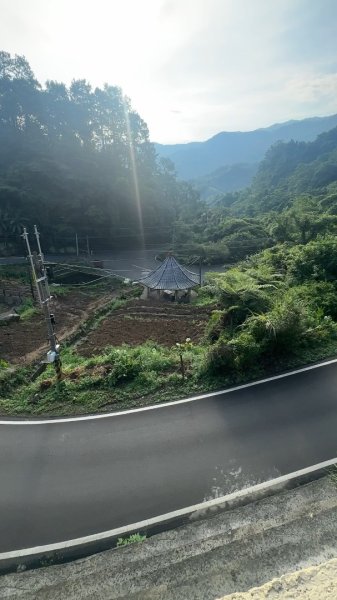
192,68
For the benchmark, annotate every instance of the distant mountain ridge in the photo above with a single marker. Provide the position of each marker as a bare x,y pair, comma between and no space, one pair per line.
229,178
194,160
290,171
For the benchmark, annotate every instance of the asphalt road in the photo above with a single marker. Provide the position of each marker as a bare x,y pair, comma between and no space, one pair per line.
64,480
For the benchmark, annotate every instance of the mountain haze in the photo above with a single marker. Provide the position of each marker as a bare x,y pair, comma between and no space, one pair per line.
196,160
229,178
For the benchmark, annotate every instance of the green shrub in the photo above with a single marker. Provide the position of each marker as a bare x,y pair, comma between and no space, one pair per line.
125,367
227,357
316,260
280,330
60,392
247,350
220,358
10,380
318,296
215,325
207,294
148,378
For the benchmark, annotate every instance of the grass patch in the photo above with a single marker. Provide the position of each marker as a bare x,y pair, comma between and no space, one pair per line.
59,291
118,378
27,309
127,377
132,539
18,272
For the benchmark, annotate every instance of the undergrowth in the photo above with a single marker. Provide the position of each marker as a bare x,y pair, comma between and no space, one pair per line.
128,377
27,309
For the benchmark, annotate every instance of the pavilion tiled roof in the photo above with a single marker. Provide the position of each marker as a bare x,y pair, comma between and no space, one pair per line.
170,275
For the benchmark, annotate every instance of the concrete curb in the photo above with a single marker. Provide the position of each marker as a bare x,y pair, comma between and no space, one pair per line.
85,546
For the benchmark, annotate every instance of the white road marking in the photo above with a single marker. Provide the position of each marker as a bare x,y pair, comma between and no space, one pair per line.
141,525
166,404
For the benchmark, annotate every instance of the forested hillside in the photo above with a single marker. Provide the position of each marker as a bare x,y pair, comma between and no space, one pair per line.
277,307
293,199
290,170
229,178
79,160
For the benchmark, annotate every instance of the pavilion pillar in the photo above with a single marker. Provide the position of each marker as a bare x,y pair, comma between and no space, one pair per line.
145,293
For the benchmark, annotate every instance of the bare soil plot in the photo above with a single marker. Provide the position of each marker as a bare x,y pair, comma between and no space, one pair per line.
164,323
25,340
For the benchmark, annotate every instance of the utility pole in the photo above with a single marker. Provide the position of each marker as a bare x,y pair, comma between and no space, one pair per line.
42,288
76,239
173,237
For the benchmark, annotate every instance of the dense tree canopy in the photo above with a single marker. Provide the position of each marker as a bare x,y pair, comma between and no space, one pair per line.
79,160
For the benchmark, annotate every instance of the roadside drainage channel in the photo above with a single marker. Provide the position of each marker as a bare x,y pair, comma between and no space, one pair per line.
61,552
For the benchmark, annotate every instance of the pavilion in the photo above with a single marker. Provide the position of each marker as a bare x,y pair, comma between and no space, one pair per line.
169,280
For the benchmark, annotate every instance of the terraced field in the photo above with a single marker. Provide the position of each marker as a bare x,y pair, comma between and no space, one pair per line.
139,321
24,341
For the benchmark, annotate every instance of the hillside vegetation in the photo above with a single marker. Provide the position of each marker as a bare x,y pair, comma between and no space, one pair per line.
274,309
78,159
293,199
229,178
278,303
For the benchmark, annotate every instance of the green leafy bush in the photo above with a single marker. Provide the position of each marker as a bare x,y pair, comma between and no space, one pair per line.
281,329
220,358
247,351
215,325
207,294
125,366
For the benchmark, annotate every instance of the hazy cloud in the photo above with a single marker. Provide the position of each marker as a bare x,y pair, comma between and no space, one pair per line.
222,64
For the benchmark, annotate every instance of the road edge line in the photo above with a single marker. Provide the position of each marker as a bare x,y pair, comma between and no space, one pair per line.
21,422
